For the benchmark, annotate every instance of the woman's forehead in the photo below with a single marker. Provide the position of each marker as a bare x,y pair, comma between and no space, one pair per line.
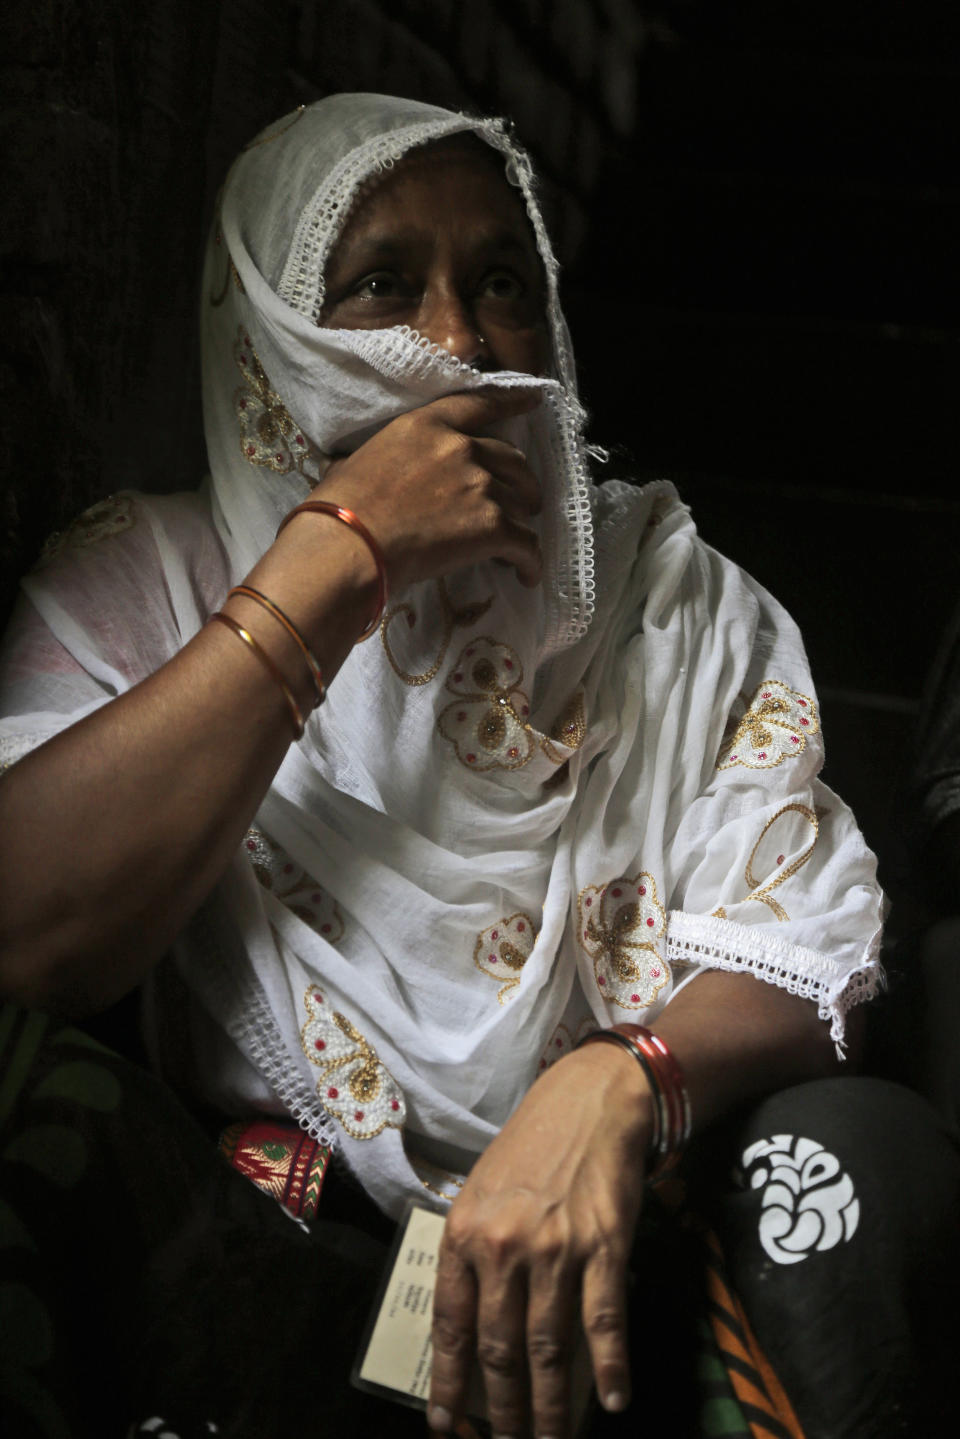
458,179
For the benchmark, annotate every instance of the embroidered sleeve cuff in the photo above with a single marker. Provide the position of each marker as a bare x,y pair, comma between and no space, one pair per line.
835,987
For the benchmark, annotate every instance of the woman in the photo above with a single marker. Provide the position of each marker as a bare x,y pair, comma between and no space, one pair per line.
568,780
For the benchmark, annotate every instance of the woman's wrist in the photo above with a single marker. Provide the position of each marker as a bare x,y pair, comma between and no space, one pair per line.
279,646
322,576
327,509
671,1117
627,1092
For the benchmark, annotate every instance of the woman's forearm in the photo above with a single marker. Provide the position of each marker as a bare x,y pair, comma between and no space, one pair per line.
737,1037
124,822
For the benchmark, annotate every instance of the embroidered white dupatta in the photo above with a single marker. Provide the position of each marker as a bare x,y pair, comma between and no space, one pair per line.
519,814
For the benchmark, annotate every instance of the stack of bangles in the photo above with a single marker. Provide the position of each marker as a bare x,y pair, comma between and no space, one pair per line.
316,675
671,1113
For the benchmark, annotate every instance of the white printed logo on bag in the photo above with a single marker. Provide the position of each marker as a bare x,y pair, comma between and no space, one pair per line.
808,1200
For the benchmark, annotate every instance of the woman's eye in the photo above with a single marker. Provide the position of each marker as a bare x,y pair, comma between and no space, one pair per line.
382,286
502,285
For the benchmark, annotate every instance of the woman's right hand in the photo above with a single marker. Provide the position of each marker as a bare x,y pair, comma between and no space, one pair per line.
437,494
99,887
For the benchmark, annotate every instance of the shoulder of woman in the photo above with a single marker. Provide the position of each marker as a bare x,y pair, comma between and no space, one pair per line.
127,537
118,586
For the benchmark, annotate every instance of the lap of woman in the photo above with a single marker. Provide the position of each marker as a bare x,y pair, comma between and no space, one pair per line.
142,1276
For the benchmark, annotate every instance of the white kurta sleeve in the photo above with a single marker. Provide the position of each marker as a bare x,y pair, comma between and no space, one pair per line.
725,850
110,601
767,870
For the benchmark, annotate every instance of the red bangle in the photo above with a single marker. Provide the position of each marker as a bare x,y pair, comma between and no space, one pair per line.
678,1085
673,1086
339,512
672,1118
673,1109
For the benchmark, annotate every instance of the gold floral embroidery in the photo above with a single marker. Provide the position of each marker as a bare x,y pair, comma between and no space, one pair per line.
354,1086
280,874
452,617
763,892
268,434
489,723
775,727
620,927
445,1184
569,728
110,516
503,949
562,1041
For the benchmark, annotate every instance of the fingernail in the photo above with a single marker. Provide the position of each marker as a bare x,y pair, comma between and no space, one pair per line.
615,1402
440,1419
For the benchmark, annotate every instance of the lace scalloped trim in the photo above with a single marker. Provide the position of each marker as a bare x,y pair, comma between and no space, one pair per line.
258,1035
571,602
401,352
722,944
302,281
576,563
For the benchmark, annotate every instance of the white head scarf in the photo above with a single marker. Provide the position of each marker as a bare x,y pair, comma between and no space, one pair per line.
519,814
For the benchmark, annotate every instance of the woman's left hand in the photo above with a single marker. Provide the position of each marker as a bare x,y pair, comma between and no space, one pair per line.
541,1230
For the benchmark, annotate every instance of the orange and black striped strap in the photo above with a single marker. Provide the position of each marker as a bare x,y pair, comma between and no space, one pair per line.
758,1391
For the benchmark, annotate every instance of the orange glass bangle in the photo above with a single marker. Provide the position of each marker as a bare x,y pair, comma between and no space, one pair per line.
268,664
672,1117
673,1141
347,517
311,661
678,1085
673,1085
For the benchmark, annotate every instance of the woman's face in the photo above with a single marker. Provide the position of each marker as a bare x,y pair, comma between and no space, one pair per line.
443,244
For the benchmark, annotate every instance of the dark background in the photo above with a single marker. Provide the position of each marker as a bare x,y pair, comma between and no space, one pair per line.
759,213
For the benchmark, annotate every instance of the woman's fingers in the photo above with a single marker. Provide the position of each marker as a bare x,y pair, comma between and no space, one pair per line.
502,1351
439,494
541,1232
472,412
521,548
605,1325
551,1319
510,473
453,1335
507,1296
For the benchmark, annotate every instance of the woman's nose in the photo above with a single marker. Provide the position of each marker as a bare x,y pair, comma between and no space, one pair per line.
446,321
